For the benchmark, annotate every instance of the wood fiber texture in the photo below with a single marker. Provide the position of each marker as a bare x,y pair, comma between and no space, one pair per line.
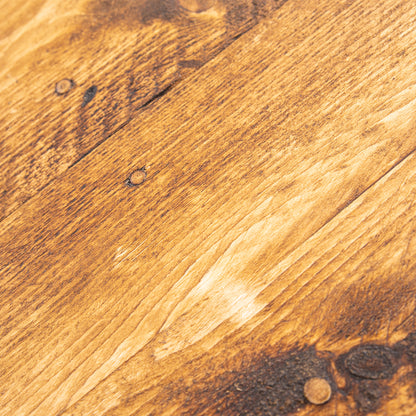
211,246
129,51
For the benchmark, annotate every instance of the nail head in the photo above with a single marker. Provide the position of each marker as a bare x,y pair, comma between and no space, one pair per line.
63,86
317,390
137,177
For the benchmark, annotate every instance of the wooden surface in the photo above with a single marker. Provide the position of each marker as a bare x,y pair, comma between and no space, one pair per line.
132,51
272,239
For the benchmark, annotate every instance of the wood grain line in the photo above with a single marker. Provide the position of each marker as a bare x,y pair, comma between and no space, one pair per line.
140,49
305,263
279,185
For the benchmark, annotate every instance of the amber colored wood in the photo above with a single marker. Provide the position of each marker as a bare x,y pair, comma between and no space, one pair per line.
271,241
131,51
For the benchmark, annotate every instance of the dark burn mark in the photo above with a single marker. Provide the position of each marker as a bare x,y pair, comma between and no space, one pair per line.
371,362
129,13
367,369
132,12
159,9
89,95
270,386
276,386
407,348
368,395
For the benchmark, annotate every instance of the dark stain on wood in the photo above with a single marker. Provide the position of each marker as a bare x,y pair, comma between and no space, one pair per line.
159,9
275,385
89,95
268,384
130,12
160,93
368,395
407,348
368,369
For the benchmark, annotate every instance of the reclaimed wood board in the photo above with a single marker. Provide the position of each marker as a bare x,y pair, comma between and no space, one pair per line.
121,54
236,231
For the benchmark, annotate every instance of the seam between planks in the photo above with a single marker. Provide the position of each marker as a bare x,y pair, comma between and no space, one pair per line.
399,162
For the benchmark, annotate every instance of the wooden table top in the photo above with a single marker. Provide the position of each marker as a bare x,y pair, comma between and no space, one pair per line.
206,204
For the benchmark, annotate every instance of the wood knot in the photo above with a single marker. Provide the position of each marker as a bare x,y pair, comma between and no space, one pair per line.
64,86
371,362
317,390
197,6
137,177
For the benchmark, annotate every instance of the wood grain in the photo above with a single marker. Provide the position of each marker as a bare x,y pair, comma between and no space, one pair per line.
273,234
131,51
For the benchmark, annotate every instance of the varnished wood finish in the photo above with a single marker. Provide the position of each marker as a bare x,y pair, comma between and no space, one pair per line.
131,51
271,240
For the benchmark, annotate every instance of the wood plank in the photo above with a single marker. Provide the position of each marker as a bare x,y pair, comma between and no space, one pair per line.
130,51
332,296
111,294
